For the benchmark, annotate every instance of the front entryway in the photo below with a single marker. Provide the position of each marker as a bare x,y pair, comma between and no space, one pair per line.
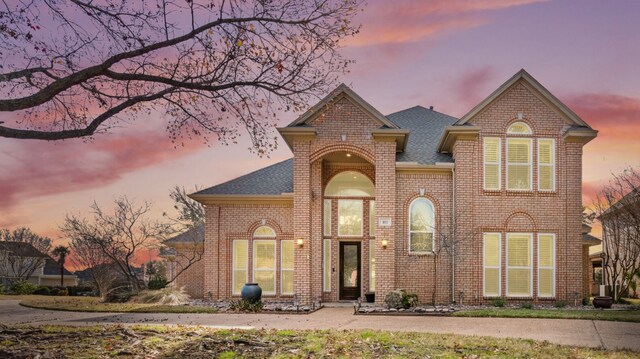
350,276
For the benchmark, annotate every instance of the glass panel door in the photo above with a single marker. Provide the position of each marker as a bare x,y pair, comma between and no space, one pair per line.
350,270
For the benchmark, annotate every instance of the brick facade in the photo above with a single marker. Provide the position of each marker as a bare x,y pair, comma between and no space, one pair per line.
463,209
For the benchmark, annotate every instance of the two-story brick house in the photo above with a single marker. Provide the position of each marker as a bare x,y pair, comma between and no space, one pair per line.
452,209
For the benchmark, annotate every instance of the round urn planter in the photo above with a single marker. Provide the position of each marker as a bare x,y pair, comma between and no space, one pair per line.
602,302
251,292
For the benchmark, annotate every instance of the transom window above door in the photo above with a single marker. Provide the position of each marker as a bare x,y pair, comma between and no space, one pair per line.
350,184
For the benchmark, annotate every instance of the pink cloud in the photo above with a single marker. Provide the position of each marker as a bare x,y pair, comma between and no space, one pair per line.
37,168
472,86
410,21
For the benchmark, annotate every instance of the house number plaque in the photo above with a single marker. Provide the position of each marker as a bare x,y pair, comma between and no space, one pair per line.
384,222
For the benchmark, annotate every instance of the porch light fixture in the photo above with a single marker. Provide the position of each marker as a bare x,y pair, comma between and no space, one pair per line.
300,242
348,155
385,243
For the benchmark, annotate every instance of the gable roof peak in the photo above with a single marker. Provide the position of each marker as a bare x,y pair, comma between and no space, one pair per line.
523,75
342,90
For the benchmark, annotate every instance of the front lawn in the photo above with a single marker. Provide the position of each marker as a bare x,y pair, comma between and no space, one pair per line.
199,342
93,304
589,314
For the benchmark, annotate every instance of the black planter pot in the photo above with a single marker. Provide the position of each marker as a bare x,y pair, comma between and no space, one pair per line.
370,297
602,302
251,292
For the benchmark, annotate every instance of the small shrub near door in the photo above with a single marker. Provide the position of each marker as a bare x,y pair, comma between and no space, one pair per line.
42,291
157,282
400,299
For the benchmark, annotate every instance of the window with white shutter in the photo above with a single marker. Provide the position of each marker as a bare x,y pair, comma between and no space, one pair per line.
492,159
519,274
264,265
546,265
240,265
519,164
491,255
546,164
287,258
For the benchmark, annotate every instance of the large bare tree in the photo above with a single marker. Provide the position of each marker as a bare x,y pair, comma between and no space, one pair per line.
73,68
617,207
118,235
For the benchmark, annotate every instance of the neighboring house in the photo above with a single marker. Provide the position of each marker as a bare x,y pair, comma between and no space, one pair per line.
621,242
22,260
591,263
185,267
484,206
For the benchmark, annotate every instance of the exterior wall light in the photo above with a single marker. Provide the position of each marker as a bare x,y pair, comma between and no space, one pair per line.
385,243
300,242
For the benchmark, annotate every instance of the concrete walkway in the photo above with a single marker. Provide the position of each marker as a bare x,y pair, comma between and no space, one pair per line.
586,333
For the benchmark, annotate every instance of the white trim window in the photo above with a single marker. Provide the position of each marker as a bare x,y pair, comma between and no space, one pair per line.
421,226
519,166
326,265
264,232
240,265
546,265
287,261
264,265
519,128
492,261
372,266
492,157
547,164
350,213
327,218
519,268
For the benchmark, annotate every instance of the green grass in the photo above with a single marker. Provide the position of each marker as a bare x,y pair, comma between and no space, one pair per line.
199,342
93,304
612,315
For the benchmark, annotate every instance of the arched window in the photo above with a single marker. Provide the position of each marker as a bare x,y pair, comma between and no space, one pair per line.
350,184
519,128
264,232
421,225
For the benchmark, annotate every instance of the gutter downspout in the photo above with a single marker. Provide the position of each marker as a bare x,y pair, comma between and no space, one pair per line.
453,243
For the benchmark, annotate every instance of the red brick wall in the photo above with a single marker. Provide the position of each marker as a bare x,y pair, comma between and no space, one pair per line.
503,211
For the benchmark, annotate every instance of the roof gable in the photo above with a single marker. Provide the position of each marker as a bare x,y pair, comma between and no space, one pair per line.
524,76
340,92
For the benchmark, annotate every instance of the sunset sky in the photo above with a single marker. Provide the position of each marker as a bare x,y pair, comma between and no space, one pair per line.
446,54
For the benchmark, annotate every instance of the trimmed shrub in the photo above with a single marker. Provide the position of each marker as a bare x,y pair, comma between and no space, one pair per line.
157,282
560,304
42,291
244,305
1,289
586,301
498,302
526,305
400,299
59,291
22,287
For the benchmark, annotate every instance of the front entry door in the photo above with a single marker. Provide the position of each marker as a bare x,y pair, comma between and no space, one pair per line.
349,270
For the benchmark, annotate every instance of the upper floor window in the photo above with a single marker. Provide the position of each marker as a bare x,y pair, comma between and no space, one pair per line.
546,164
421,225
492,153
519,128
519,164
350,184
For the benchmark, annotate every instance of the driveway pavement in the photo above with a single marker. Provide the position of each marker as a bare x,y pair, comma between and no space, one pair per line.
586,333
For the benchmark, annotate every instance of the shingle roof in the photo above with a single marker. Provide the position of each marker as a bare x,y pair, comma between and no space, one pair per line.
21,249
425,125
426,128
51,267
272,180
590,238
195,234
